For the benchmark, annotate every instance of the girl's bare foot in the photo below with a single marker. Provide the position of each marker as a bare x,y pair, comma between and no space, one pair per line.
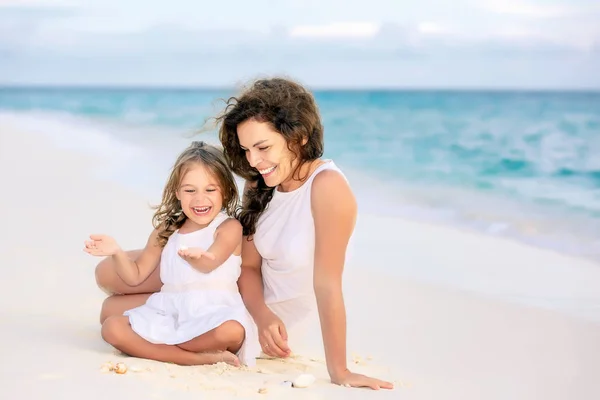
219,356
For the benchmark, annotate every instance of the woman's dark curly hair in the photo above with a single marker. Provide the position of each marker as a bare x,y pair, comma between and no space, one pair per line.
291,110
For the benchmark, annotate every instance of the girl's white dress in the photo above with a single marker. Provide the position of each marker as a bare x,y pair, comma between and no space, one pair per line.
191,303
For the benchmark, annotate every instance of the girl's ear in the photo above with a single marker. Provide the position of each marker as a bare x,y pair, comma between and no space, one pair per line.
177,195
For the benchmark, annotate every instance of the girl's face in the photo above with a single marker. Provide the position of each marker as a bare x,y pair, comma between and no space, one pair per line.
200,195
267,152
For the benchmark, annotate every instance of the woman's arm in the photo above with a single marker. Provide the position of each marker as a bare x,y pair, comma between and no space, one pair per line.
334,211
271,330
250,281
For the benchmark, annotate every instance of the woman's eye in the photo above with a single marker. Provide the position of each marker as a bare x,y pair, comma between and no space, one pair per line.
263,148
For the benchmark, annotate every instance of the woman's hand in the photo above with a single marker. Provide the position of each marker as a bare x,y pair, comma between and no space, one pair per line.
272,335
348,378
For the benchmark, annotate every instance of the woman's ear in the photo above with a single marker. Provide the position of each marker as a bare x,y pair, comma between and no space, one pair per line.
304,140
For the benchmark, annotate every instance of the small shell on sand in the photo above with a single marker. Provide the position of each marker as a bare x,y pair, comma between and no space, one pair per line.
107,367
303,381
264,371
120,368
262,390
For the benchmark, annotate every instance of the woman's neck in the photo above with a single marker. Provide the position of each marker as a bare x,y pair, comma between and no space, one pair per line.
299,176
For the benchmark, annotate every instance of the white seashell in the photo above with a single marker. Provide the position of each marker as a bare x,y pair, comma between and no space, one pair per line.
120,368
107,367
303,381
182,247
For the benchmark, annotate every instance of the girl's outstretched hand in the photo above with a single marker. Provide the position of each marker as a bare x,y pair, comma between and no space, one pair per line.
348,378
194,253
101,245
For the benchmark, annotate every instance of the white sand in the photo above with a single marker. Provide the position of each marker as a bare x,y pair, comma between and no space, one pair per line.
411,325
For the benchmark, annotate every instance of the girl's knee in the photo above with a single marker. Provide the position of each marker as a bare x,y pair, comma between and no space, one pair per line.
230,333
114,329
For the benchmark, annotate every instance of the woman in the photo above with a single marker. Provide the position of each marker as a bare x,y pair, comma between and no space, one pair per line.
298,215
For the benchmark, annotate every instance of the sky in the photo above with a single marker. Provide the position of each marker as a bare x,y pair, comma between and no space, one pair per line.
325,43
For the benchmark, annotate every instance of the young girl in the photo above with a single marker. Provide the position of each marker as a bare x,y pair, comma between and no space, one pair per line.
198,317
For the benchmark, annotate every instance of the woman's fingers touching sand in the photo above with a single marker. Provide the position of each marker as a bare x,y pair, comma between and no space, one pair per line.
274,338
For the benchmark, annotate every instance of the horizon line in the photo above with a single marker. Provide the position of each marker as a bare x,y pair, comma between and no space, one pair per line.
319,88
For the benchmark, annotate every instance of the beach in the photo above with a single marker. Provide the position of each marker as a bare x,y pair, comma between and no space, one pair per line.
408,324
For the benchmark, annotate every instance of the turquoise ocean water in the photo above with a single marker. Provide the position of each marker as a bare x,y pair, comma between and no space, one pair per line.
525,165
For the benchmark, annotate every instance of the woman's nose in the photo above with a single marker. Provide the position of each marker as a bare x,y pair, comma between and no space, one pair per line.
253,159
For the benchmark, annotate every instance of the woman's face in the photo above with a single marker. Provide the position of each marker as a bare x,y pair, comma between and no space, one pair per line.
267,151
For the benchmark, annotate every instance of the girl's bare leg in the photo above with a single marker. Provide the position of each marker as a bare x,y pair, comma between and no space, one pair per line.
108,280
228,336
117,332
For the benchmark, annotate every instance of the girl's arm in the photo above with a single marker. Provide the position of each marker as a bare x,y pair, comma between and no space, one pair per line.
334,211
132,272
228,238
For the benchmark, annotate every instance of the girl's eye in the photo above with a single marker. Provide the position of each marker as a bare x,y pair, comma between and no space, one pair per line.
189,190
211,190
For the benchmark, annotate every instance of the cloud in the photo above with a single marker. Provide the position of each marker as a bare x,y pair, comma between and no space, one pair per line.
532,10
120,41
336,30
432,28
383,43
23,29
35,4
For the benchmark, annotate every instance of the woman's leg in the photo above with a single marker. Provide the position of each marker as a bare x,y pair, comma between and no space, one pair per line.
117,332
227,336
116,305
108,280
127,297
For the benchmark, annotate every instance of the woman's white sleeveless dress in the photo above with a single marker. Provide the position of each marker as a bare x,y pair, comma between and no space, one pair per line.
191,303
285,238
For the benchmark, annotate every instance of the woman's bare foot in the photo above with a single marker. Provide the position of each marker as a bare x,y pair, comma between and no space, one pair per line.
219,356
